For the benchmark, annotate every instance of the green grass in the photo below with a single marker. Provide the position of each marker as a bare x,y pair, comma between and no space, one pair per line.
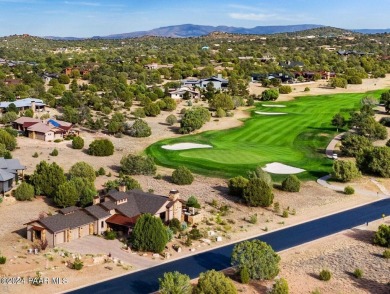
297,138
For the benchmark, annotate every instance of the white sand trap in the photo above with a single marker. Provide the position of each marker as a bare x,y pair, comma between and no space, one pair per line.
270,113
280,168
273,105
185,146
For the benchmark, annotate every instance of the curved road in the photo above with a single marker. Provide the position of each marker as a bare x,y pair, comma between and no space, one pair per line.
146,281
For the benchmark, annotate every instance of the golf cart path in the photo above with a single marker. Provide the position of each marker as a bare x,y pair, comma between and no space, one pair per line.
323,181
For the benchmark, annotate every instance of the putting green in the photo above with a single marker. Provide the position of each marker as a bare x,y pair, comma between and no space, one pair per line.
297,139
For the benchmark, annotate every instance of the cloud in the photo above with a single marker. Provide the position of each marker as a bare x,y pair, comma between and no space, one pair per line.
90,4
254,16
243,7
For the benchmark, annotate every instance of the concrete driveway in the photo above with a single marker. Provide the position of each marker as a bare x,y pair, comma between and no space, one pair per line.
98,245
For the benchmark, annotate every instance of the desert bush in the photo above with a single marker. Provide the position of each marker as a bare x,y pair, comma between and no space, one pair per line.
285,89
101,147
24,192
382,236
307,89
78,143
237,185
280,287
195,234
35,155
182,176
253,219
285,213
348,190
193,202
110,235
171,119
345,171
140,128
258,193
358,273
101,171
3,259
175,225
291,184
77,264
325,275
138,165
244,275
54,152
139,113
386,254
270,94
220,112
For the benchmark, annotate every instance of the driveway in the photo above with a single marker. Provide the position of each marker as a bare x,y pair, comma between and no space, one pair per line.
97,245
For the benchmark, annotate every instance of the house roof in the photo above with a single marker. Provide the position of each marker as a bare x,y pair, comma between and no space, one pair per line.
97,211
138,202
22,103
5,175
69,209
118,219
40,127
60,222
218,79
24,119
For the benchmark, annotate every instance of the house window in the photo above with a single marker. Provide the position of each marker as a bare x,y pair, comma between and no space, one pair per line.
102,224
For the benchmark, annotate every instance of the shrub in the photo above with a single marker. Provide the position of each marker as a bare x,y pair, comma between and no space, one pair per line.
101,171
152,109
195,234
24,192
3,259
35,155
270,94
345,171
214,282
138,165
101,147
139,113
291,184
307,89
193,202
285,89
244,275
237,185
354,80
258,193
382,236
358,273
325,275
285,213
280,287
77,264
54,152
253,219
140,128
78,143
110,235
82,169
386,253
220,112
193,119
149,234
57,140
348,190
175,283
171,119
182,176
7,139
175,225
375,161
258,257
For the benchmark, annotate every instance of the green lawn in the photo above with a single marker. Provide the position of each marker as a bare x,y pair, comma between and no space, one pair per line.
297,138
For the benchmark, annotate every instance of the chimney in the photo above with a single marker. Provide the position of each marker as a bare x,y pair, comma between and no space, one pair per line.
174,195
33,105
122,187
96,200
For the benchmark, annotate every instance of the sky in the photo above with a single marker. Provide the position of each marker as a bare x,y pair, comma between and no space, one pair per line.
87,18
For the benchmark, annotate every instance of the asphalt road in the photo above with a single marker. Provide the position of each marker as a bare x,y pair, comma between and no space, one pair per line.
146,281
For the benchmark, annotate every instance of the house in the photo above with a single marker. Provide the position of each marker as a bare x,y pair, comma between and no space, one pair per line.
118,211
23,104
291,64
45,130
181,93
285,78
151,66
218,82
9,171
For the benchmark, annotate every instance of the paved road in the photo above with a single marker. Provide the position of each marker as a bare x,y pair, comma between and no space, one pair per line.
146,281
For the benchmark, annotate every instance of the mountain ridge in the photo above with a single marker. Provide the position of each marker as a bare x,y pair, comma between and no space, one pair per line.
192,30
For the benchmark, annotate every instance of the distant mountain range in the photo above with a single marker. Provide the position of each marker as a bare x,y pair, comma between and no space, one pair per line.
191,30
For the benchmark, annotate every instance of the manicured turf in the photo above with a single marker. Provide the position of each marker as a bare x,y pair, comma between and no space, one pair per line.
298,138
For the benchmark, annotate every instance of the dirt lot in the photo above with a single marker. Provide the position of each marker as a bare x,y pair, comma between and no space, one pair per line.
311,202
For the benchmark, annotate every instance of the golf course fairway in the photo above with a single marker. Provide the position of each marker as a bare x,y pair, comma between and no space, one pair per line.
297,138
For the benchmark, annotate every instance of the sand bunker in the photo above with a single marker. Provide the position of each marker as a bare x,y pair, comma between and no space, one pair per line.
272,105
185,146
280,168
270,113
